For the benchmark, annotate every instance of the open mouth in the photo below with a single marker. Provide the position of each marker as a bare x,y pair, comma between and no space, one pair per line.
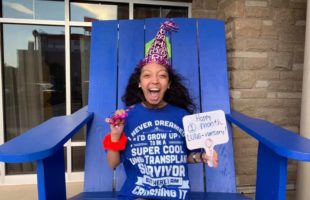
154,93
154,90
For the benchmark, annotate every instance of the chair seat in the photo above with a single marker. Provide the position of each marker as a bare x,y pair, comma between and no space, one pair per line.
194,196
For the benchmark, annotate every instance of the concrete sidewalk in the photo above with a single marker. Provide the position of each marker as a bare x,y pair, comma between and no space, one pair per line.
29,192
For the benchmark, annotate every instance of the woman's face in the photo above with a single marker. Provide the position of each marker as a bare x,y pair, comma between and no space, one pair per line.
154,82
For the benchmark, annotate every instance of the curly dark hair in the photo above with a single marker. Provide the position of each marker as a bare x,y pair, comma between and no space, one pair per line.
177,95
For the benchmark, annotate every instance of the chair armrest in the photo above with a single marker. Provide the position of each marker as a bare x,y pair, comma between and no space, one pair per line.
283,142
45,139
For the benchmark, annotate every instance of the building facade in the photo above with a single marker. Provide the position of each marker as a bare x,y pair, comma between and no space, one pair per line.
265,43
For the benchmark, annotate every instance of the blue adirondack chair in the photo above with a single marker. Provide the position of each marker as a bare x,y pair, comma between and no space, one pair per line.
199,54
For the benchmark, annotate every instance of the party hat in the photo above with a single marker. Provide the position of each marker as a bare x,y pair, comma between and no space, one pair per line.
158,52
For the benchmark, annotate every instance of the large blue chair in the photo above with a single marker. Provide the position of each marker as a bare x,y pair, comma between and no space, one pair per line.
199,54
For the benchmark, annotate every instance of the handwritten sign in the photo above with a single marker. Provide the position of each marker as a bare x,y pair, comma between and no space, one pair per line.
205,130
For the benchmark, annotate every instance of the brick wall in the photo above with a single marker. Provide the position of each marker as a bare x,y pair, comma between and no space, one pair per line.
265,44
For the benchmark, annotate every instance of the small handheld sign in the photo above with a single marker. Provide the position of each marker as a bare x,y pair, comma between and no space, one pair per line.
205,130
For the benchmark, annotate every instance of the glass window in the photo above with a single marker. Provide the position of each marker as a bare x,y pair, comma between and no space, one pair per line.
148,11
78,159
33,9
88,12
170,12
80,48
34,78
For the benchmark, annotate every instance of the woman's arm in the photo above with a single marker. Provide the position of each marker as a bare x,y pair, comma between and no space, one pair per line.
113,158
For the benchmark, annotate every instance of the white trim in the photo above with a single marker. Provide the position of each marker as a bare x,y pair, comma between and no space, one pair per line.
2,173
69,160
131,10
67,59
78,24
162,3
78,144
2,167
303,169
190,11
107,1
32,21
68,81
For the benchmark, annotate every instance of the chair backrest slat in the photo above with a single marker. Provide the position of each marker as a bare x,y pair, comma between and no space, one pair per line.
185,62
213,65
131,50
102,99
214,96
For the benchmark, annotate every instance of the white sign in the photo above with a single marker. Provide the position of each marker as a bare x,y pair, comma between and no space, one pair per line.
205,130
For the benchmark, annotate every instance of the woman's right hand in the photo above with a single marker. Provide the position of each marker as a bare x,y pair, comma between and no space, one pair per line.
117,123
117,129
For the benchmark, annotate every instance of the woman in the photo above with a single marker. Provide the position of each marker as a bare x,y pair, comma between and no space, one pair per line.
148,137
